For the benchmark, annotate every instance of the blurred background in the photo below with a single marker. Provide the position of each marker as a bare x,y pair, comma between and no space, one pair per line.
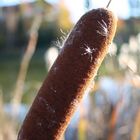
32,33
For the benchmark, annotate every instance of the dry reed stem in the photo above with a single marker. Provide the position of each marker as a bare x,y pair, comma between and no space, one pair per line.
82,128
113,120
1,103
19,88
108,3
136,131
7,128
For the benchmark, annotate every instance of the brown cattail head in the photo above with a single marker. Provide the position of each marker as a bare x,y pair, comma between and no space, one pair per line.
70,76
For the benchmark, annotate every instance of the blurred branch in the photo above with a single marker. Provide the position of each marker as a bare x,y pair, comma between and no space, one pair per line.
19,88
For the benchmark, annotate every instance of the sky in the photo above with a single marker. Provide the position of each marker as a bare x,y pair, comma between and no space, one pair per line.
119,7
12,2
76,7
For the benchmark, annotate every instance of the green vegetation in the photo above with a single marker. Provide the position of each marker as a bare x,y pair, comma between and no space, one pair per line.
9,67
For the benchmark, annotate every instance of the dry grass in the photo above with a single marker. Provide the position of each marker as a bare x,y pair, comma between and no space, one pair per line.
9,125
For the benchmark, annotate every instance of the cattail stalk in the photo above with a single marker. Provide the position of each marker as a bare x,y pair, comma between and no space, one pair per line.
70,76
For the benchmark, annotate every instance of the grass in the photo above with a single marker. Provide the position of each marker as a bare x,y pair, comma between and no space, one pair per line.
9,67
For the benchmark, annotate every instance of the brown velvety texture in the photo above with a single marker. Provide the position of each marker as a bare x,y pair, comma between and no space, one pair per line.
70,76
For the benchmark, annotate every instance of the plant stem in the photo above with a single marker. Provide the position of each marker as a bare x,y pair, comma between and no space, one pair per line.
18,92
108,3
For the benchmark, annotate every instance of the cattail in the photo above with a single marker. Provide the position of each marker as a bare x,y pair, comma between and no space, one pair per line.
69,77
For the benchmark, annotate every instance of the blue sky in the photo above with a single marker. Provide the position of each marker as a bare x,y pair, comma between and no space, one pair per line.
12,2
76,7
120,7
